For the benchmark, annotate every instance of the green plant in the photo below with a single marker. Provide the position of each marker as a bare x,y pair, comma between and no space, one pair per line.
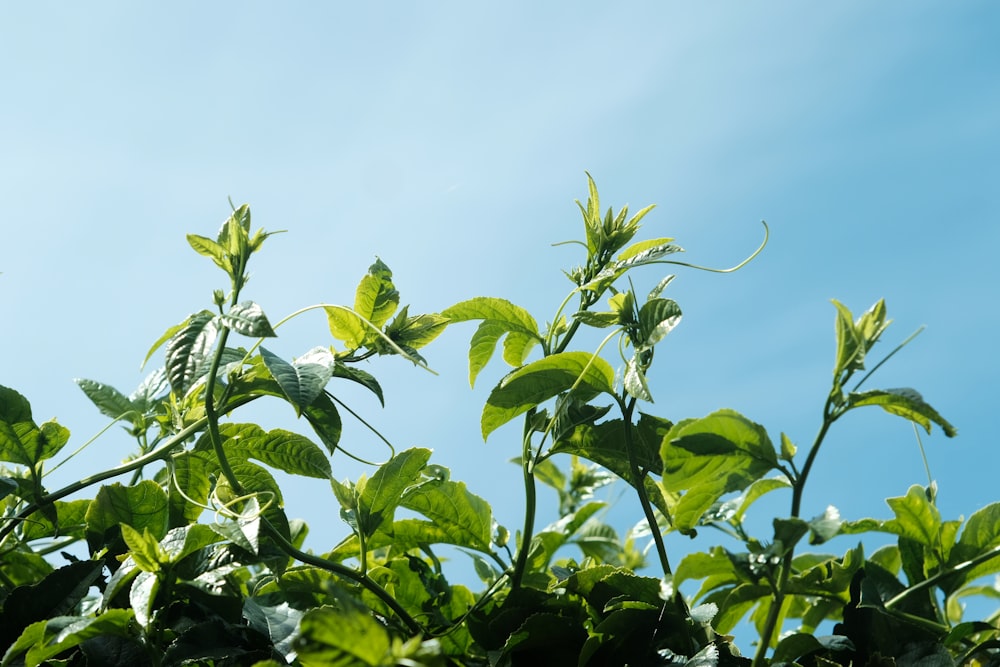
193,559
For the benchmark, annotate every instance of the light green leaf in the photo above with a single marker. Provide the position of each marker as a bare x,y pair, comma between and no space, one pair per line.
144,549
706,458
300,382
585,374
142,595
189,350
465,517
376,298
916,517
600,320
499,317
143,505
181,542
906,403
209,248
640,247
517,347
21,440
248,319
380,495
346,326
618,268
417,331
69,521
341,638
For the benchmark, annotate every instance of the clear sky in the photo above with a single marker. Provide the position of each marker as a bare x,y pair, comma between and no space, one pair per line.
451,139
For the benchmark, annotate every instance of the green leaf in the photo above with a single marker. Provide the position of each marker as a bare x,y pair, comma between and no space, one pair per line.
63,633
466,518
635,381
189,350
212,250
600,320
363,378
376,298
323,416
604,444
904,402
417,331
657,318
279,623
341,638
618,268
499,317
189,471
585,374
287,451
144,548
379,496
640,247
706,458
179,543
916,517
300,382
167,335
346,326
248,319
141,506
21,440
111,402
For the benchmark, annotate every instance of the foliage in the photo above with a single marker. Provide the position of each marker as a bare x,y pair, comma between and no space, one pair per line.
193,559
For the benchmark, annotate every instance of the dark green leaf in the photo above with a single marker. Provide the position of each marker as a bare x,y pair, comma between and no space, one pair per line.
111,402
585,374
189,472
189,350
600,320
657,318
279,623
278,448
248,319
417,331
300,382
906,403
361,377
323,416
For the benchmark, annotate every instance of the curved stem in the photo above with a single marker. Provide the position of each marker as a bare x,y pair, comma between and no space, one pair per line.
345,572
163,451
530,501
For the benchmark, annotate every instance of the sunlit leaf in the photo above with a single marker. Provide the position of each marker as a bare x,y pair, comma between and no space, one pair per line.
585,374
906,403
465,517
278,448
376,298
248,319
635,381
381,494
21,440
143,505
346,326
657,318
212,250
189,350
706,458
341,638
279,623
499,317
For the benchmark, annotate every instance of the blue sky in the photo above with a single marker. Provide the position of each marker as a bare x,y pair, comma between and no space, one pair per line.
450,139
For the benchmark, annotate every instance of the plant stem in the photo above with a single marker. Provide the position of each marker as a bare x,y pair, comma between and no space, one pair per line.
830,415
530,501
638,479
